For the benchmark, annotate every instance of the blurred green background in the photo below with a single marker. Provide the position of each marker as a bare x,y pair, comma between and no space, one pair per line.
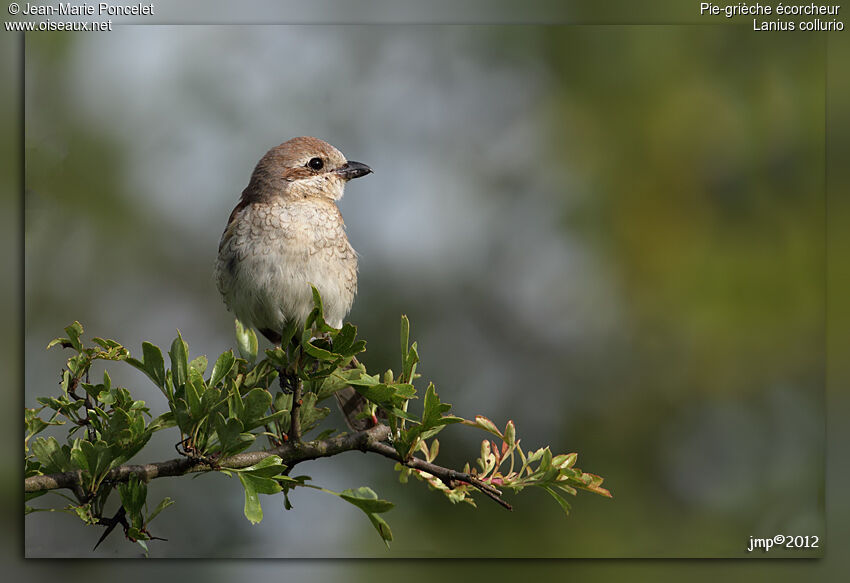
613,235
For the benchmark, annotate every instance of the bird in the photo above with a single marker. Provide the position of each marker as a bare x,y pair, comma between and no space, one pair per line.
286,234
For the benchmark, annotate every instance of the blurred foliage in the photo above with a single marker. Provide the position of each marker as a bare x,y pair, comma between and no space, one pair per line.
706,165
699,166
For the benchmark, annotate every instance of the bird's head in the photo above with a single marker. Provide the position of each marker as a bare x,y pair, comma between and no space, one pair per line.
302,168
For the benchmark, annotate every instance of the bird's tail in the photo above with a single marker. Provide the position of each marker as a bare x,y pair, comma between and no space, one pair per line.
355,409
354,406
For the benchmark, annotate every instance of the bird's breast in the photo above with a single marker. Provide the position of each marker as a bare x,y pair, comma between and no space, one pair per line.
272,252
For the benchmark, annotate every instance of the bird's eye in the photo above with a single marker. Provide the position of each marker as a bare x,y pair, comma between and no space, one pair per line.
316,163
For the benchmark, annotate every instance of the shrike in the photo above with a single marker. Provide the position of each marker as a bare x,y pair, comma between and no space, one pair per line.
285,234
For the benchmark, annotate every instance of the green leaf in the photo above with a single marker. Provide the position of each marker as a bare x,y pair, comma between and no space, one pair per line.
163,504
141,542
290,331
309,414
254,484
380,393
106,343
231,435
179,354
164,421
432,422
223,365
151,364
253,510
405,338
199,364
366,500
316,319
194,389
35,424
433,409
133,494
95,458
63,404
409,363
211,397
277,357
181,415
154,363
32,467
545,461
344,341
55,341
487,425
564,461
104,397
315,351
327,386
261,375
594,484
54,458
257,402
389,397
382,527
565,506
84,513
263,485
74,331
566,488
435,450
533,456
246,342
265,468
510,433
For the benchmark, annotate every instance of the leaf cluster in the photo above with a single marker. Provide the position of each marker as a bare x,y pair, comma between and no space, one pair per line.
107,427
507,466
222,411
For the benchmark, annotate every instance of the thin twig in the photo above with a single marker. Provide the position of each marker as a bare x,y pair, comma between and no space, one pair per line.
448,476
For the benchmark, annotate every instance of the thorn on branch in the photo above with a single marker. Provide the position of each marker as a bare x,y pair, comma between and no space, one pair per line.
121,518
110,524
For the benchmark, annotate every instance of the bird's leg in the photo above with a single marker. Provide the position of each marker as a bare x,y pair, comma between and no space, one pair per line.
290,384
295,417
286,379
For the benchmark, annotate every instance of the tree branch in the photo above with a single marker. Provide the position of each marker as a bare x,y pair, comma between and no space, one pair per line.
291,453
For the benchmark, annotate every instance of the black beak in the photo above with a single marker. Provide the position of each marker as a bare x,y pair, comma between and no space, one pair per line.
353,170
